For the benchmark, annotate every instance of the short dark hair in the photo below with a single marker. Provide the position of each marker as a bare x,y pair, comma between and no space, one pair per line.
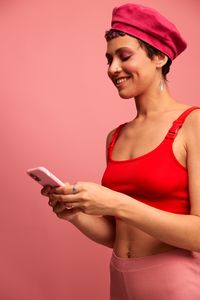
150,50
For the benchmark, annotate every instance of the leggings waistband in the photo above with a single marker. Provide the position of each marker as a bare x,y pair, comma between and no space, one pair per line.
125,264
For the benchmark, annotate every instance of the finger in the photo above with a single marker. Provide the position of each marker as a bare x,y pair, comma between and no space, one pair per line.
67,189
70,206
61,189
65,198
52,203
52,200
60,208
75,189
46,190
67,214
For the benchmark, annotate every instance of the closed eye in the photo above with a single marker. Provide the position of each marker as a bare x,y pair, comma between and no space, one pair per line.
124,58
109,61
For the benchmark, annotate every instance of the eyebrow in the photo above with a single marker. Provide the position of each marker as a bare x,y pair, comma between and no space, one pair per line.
118,50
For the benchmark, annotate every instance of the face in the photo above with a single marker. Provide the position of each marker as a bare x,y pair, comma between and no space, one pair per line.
130,69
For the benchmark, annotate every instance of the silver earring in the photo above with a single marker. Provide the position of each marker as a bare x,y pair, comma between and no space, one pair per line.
162,85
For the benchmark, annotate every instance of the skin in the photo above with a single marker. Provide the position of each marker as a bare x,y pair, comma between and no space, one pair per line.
132,228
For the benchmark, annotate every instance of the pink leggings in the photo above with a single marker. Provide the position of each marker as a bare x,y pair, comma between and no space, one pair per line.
172,275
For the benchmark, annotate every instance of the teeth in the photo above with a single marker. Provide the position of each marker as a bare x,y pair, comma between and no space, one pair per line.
120,80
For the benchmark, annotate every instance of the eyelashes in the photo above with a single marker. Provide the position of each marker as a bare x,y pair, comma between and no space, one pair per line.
125,58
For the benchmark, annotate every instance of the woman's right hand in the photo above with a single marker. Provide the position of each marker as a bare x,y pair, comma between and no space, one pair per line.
62,212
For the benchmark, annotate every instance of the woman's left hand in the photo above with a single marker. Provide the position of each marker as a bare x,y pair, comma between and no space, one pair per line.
91,198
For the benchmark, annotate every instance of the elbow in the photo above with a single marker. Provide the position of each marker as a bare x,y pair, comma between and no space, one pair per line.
110,246
197,247
110,243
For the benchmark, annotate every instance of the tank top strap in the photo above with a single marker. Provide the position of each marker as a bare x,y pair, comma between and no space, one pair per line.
114,138
177,124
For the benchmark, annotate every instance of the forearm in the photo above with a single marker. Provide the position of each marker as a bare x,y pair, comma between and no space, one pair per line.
178,230
99,229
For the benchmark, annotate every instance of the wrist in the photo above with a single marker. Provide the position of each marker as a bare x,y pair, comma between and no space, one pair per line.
124,206
118,204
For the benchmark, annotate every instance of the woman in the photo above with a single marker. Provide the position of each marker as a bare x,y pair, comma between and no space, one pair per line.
148,206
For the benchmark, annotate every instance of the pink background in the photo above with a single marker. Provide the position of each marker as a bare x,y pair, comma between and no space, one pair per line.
57,106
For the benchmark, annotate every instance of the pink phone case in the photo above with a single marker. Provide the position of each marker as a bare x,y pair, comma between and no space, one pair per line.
44,177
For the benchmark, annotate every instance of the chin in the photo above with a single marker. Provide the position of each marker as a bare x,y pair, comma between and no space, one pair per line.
126,96
127,93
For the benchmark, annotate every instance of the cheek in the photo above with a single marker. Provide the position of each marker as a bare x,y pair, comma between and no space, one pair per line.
131,67
145,72
136,67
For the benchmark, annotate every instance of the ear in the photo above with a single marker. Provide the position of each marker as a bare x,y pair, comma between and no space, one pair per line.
160,60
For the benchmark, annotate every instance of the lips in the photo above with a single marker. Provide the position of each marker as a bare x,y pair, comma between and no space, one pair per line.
119,81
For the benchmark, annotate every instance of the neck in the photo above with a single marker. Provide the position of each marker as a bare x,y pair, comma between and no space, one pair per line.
154,101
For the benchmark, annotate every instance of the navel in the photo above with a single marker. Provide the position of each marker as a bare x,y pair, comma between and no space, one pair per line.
129,254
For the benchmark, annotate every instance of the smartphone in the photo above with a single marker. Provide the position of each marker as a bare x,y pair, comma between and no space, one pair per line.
44,177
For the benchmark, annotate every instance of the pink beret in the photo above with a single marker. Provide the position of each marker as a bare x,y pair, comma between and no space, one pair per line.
150,26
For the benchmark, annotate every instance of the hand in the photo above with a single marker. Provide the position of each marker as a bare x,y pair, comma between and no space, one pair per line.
87,197
69,214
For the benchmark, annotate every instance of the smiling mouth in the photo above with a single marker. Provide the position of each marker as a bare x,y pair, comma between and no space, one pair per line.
120,81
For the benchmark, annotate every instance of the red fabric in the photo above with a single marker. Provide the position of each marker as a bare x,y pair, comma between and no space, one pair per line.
150,26
156,178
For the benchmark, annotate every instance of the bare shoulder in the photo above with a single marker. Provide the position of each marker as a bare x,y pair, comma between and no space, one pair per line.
191,129
108,141
192,137
109,136
111,133
192,122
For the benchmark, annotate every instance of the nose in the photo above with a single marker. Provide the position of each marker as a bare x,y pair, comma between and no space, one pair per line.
114,68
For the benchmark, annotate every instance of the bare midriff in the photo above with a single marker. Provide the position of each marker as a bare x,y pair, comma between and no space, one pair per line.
131,242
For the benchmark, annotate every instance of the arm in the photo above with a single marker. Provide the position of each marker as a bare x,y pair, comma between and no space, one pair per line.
99,229
181,231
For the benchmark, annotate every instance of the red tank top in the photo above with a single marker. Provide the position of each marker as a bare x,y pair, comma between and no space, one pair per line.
156,178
